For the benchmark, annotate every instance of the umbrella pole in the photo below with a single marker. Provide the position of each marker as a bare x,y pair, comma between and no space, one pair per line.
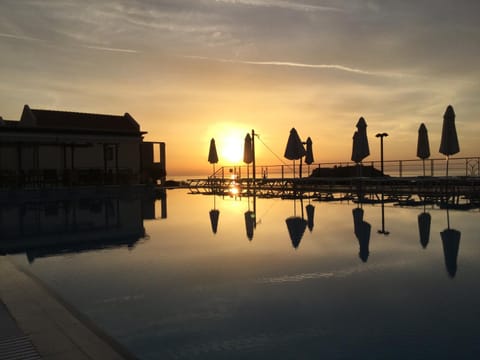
448,218
294,169
301,204
423,161
448,157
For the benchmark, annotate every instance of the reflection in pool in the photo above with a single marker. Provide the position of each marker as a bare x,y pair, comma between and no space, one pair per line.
237,278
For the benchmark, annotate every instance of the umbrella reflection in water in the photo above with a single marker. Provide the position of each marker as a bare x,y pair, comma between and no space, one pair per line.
362,231
250,217
249,223
451,245
214,215
310,216
296,226
424,221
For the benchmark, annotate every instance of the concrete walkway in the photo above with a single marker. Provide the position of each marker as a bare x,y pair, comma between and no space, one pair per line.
31,314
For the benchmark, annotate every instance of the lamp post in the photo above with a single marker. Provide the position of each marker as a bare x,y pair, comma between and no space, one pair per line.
381,136
383,231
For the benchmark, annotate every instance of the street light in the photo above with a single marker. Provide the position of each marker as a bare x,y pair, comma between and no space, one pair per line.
381,136
383,231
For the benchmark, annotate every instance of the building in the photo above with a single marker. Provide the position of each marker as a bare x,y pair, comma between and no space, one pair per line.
55,148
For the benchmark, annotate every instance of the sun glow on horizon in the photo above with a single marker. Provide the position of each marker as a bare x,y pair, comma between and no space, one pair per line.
229,140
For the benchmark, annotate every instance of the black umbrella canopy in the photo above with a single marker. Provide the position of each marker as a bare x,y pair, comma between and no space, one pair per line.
451,244
249,223
423,146
214,214
309,152
310,216
424,221
247,150
294,149
212,153
449,143
362,230
296,228
360,148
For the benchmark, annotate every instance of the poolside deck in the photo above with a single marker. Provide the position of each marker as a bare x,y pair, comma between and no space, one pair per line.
36,324
356,188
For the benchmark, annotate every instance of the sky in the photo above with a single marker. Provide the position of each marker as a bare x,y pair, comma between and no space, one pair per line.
192,70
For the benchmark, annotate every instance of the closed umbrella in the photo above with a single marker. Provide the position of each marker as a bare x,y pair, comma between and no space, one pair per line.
449,143
360,148
247,152
294,149
212,154
214,214
360,142
309,153
423,146
424,221
451,244
362,230
310,216
249,223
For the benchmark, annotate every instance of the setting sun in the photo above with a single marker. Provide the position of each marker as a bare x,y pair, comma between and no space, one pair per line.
232,148
229,140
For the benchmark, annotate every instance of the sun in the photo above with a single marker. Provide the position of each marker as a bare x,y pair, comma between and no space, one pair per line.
230,147
229,140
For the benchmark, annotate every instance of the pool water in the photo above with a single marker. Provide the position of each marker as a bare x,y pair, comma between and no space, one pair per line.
231,278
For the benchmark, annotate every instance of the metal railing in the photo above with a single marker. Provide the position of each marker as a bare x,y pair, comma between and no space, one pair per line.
458,166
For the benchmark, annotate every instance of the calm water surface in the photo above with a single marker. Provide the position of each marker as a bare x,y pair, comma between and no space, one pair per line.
345,291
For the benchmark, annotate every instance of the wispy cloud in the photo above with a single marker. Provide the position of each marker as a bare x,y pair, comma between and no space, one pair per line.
19,37
102,48
281,4
301,65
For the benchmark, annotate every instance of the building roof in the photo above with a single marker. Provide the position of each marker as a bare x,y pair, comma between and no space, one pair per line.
65,120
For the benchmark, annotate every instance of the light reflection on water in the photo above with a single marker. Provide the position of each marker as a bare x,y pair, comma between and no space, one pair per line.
331,286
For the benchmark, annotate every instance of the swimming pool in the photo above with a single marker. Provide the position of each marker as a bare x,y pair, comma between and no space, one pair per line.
207,277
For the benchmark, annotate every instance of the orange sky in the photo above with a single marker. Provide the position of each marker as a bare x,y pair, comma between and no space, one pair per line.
192,70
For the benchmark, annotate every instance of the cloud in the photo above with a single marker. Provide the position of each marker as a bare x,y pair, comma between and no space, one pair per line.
301,65
280,4
102,48
19,37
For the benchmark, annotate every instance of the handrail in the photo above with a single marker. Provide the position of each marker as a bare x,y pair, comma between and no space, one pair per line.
458,166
